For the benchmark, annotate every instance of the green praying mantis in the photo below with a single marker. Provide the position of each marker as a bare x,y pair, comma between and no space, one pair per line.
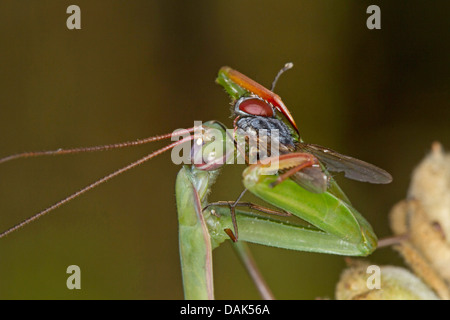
293,178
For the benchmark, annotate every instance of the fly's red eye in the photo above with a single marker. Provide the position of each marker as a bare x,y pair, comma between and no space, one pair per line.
254,106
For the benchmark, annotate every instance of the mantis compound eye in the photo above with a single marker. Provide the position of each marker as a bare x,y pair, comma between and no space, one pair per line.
253,106
210,150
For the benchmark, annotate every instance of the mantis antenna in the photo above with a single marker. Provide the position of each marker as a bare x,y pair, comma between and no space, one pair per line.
100,181
87,149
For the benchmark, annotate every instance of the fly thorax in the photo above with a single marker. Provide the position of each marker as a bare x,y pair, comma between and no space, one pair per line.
263,126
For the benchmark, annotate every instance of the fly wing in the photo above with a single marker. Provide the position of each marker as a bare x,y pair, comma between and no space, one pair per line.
312,179
317,179
353,168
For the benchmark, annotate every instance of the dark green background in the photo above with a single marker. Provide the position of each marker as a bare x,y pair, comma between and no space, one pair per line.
140,68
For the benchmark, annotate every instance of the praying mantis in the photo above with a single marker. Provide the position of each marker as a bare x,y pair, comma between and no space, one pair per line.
300,187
